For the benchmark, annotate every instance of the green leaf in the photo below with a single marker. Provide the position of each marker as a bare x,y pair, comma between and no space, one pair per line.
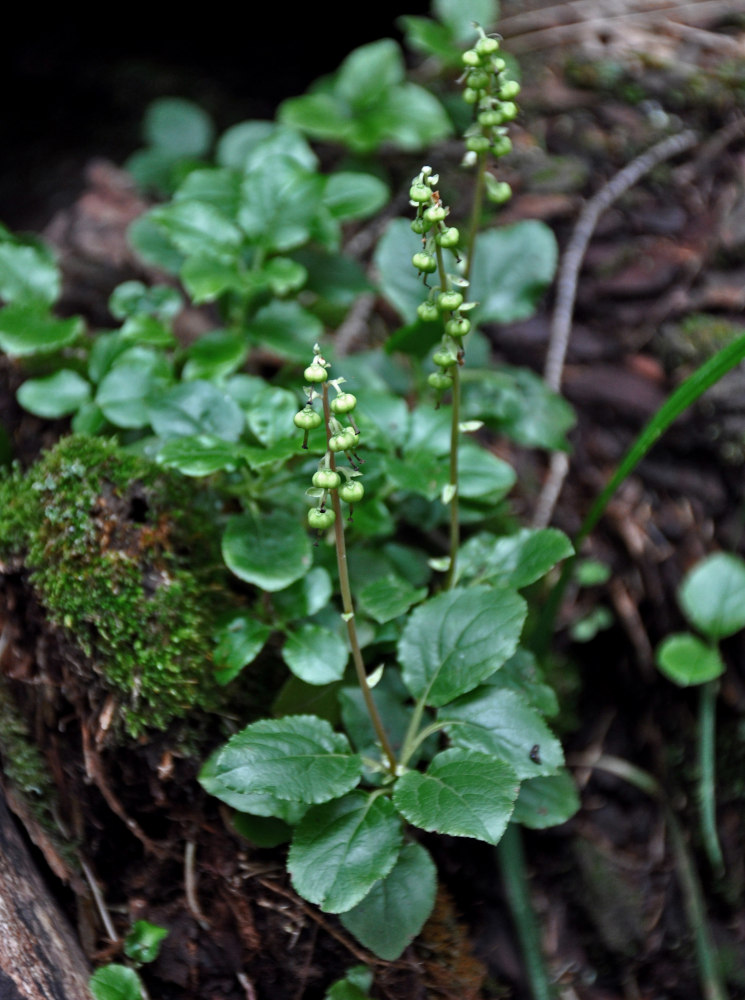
194,408
463,793
153,245
207,278
482,476
369,72
284,275
501,724
146,331
350,195
258,803
512,267
56,395
389,597
263,831
522,675
236,145
546,801
133,298
215,355
296,759
142,944
305,597
246,146
411,118
353,986
219,188
28,274
398,280
322,116
341,849
270,415
25,330
115,982
287,330
515,560
315,655
431,39
395,910
685,659
123,394
279,200
391,700
239,642
199,455
712,595
178,127
270,551
456,640
198,229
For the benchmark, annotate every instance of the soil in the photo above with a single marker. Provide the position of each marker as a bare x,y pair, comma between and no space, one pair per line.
663,282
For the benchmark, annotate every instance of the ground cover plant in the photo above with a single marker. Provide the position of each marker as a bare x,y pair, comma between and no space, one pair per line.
299,563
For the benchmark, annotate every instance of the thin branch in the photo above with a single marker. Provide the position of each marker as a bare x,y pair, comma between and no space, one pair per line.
190,885
566,290
99,901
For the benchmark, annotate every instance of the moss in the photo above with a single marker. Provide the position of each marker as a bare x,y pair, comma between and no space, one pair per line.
124,556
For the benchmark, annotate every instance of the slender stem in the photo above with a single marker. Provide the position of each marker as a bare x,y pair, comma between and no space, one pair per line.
707,784
712,985
512,863
473,226
348,607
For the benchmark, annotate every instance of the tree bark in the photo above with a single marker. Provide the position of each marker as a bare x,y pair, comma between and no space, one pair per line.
40,958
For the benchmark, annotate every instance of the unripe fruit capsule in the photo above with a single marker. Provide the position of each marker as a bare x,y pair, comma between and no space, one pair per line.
448,301
427,312
502,145
471,58
341,442
315,373
458,326
435,214
448,238
319,519
470,96
419,226
478,79
326,479
345,402
307,419
477,143
440,380
351,491
444,359
486,46
420,193
424,262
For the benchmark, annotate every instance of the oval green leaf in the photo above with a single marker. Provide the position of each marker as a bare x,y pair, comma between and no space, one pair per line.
713,595
115,982
315,655
271,551
686,660
55,396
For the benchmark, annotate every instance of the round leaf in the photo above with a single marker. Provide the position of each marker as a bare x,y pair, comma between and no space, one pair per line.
687,660
194,408
56,395
713,595
178,127
512,267
315,655
546,801
199,455
271,551
115,982
28,274
25,331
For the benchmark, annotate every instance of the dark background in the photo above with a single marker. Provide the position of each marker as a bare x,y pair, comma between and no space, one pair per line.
76,88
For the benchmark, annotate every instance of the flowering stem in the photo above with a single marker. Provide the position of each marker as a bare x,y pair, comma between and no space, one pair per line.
348,606
473,226
454,444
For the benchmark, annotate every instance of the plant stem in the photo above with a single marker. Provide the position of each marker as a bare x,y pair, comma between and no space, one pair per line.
454,444
512,863
712,985
348,607
706,764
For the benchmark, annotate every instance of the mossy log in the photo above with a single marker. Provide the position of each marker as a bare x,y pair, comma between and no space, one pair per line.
39,956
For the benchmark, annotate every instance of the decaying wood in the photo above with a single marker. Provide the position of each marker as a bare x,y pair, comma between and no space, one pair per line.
39,956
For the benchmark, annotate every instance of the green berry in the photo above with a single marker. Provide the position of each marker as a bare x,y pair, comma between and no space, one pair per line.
486,46
420,193
424,262
326,479
470,96
307,419
502,145
315,373
319,519
448,238
427,312
444,359
498,64
448,301
419,226
499,193
478,79
345,402
436,213
458,326
477,143
509,90
471,58
440,381
351,491
489,118
508,111
342,441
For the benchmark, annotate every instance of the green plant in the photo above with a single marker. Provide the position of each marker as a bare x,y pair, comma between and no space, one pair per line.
712,597
122,982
